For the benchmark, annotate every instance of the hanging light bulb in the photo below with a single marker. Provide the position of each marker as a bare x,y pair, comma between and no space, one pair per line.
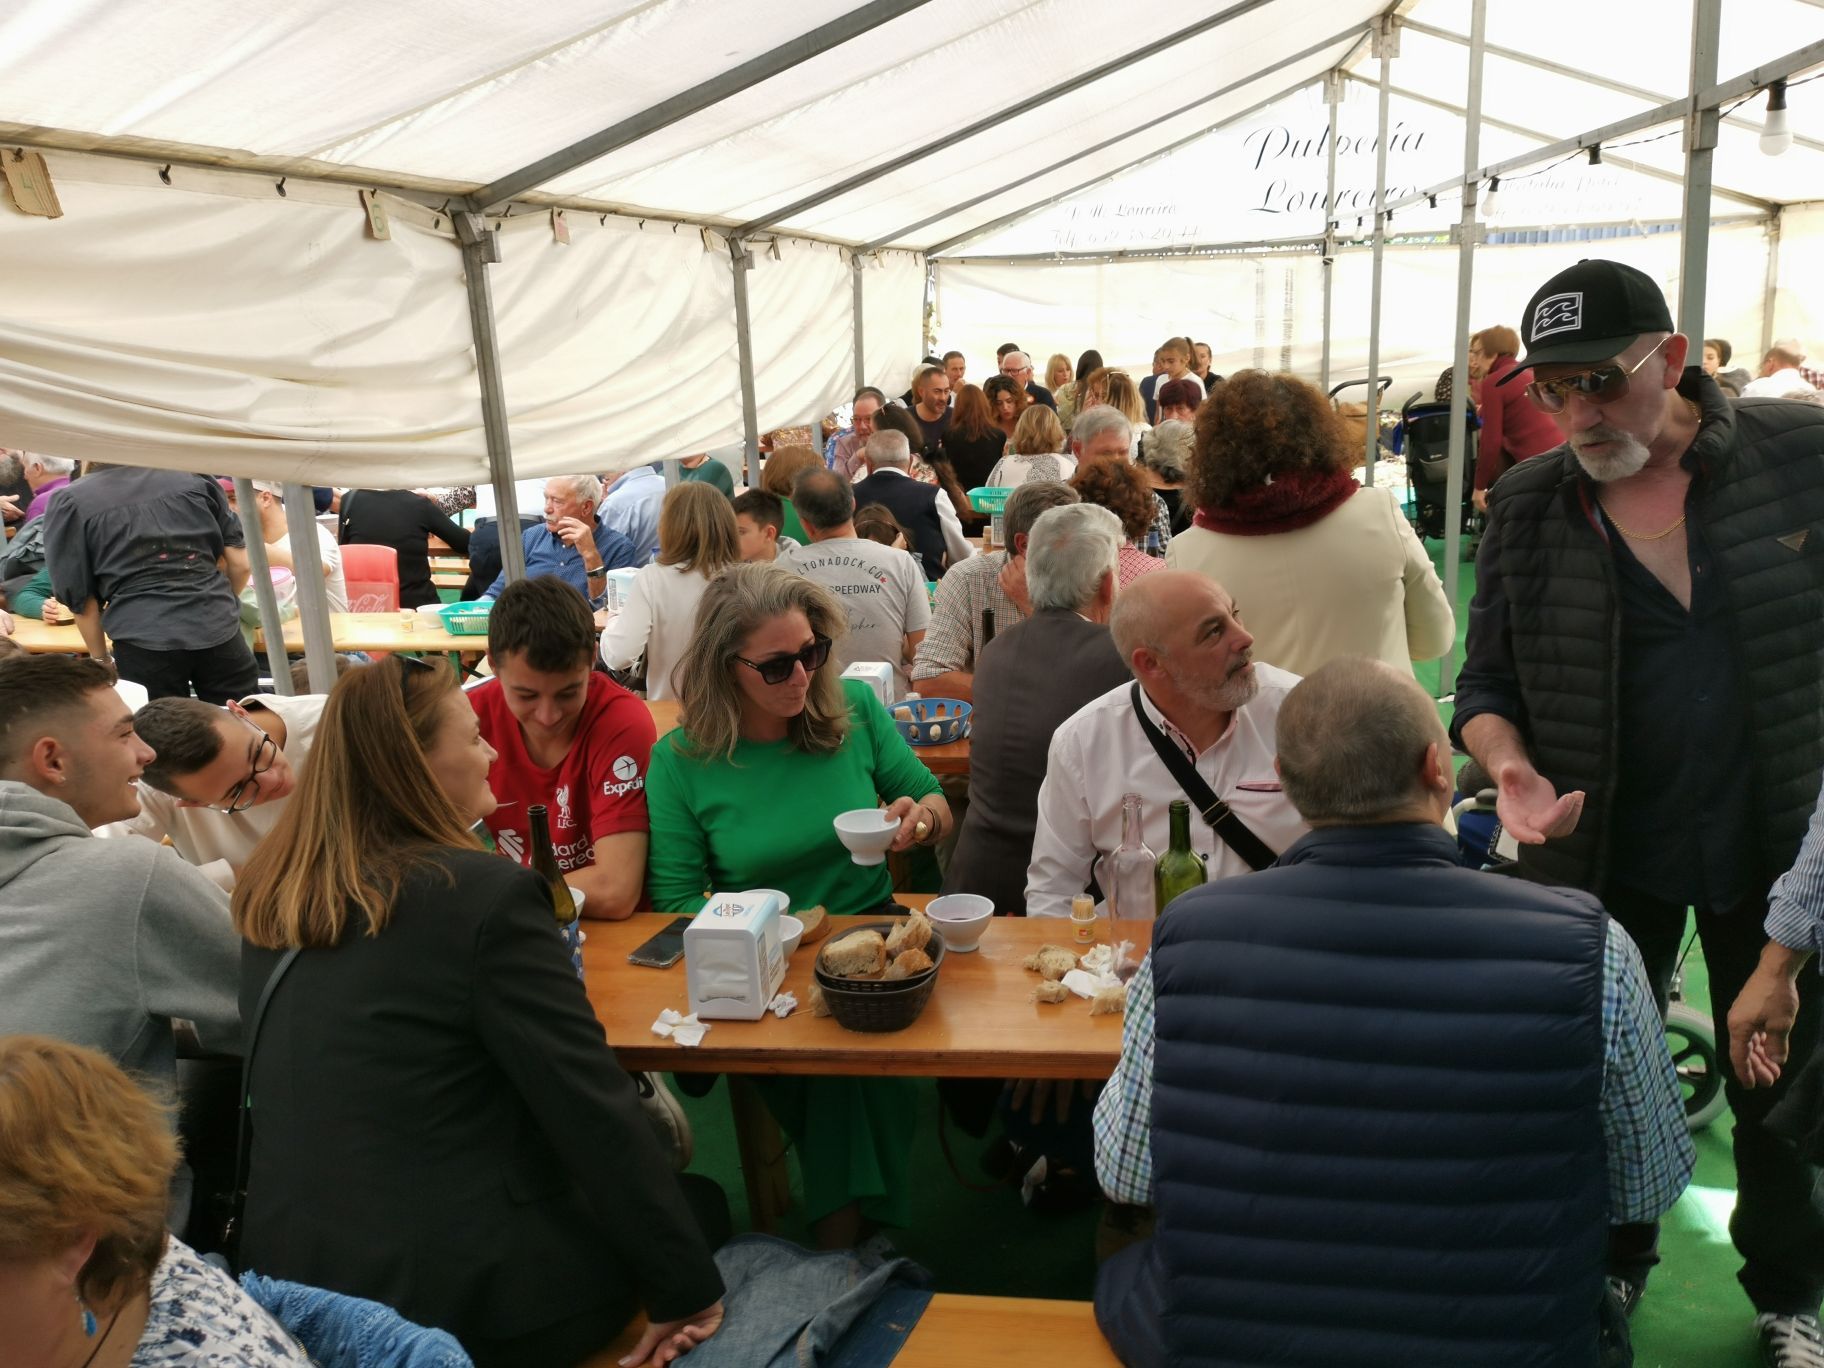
1776,135
1491,202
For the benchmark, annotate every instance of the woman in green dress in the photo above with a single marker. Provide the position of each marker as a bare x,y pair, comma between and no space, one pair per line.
772,744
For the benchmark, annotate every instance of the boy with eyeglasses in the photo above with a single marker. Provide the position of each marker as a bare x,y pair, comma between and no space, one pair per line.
1642,682
220,778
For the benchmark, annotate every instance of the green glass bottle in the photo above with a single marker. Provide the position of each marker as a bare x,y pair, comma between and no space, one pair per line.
1180,869
544,864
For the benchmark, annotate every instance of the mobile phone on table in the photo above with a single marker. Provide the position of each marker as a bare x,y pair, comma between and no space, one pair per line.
664,949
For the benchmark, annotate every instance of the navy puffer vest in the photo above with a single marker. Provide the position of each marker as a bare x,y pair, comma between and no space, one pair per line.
1377,1133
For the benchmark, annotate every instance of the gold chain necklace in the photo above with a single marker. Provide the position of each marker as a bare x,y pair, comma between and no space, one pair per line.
1642,536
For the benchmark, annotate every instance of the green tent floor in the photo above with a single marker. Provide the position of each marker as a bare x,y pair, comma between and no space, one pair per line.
987,1243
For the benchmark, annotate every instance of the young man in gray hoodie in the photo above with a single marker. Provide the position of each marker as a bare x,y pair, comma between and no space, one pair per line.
102,943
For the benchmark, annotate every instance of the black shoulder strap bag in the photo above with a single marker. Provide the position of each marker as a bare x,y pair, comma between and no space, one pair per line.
243,1145
1234,832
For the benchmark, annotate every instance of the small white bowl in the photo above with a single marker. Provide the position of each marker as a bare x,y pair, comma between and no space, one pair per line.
791,931
962,918
576,896
867,832
430,615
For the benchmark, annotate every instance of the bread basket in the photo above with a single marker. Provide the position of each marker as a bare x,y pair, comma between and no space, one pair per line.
876,1004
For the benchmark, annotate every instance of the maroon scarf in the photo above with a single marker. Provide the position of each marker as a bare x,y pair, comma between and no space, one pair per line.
1288,503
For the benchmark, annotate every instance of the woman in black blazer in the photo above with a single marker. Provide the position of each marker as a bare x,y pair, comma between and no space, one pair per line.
439,1123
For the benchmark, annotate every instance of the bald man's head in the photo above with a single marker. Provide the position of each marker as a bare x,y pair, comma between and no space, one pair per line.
1355,743
1181,635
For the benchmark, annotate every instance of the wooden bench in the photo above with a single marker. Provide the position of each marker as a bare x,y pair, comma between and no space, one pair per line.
974,1332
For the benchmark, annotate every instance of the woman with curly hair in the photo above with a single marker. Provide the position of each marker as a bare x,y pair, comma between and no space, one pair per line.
1323,566
1007,400
1123,491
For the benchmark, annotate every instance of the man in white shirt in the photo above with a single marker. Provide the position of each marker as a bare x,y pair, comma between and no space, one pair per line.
1182,638
269,500
1780,376
221,776
882,588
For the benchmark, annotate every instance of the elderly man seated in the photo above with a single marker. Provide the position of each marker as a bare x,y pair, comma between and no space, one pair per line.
574,542
1385,1106
1197,696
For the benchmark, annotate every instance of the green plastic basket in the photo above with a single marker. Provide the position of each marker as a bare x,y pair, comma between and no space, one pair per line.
989,499
465,619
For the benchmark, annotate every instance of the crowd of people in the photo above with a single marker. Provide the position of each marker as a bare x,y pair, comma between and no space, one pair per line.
1374,1106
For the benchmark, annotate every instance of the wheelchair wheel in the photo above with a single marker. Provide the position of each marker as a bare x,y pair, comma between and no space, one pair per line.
1691,1037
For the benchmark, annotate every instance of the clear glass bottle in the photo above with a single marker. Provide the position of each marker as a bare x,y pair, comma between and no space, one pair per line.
1180,868
1126,873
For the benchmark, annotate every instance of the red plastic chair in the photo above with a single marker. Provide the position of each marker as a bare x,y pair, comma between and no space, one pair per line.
372,576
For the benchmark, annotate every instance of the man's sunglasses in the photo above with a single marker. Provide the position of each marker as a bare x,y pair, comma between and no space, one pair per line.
1600,385
777,669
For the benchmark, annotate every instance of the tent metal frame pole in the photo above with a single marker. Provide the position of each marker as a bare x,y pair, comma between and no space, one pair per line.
699,97
742,261
1290,245
1468,232
1333,96
1675,111
1386,44
272,625
1588,78
1168,117
1700,153
480,248
313,598
1622,163
995,120
992,225
1772,296
856,267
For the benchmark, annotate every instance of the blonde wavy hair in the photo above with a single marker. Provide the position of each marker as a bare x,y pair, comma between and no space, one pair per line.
82,1151
736,604
697,528
1038,433
366,813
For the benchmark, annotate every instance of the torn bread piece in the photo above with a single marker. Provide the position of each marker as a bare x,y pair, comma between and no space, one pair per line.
1109,1001
856,955
819,1006
1051,962
914,933
908,963
1049,990
817,924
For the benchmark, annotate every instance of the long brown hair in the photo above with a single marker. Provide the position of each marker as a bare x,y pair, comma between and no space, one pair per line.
971,418
367,812
697,528
784,466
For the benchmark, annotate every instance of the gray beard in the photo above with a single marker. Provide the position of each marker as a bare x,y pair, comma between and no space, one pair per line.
1224,697
1611,466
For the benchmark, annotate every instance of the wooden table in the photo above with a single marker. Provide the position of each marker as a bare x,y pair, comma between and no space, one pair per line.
950,758
450,565
41,638
449,579
382,632
979,1023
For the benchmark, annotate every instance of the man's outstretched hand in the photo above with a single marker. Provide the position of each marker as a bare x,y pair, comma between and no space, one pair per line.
1529,807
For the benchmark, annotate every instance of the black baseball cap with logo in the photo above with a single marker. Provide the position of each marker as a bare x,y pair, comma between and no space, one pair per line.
1589,314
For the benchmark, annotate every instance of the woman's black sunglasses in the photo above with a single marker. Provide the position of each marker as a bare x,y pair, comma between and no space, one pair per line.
777,669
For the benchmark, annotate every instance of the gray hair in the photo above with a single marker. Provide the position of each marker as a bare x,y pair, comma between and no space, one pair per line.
1351,737
823,498
52,465
1031,499
584,486
1070,551
1093,422
889,448
1166,450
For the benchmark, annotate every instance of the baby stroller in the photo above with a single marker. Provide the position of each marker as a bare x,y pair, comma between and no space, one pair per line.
1690,1034
1423,435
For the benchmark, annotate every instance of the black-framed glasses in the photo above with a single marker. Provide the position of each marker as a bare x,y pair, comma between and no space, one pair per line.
777,669
1599,385
244,794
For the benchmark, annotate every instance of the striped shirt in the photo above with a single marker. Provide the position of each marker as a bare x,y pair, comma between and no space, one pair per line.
1643,1116
1795,914
953,641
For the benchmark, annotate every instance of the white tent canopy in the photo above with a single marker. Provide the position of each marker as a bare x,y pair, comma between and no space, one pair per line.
215,295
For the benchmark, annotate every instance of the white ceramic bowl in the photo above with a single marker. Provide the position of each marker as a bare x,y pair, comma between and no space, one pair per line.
867,832
791,931
576,896
962,918
428,615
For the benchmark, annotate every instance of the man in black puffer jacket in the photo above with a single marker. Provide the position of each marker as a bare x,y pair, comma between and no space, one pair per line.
1643,685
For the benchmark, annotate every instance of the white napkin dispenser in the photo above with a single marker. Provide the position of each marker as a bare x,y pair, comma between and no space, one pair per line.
879,677
620,587
734,958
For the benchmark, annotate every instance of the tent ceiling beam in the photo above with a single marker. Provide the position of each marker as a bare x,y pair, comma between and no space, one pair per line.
1106,143
1276,246
1674,111
693,101
1519,130
992,225
1001,116
1591,78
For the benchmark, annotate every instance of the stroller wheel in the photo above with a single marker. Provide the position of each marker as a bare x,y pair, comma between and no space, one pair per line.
1691,1037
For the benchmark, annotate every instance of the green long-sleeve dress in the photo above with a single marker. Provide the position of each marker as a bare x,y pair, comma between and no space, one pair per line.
764,820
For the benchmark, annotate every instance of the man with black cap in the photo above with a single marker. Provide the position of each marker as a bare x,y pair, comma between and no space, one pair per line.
1642,682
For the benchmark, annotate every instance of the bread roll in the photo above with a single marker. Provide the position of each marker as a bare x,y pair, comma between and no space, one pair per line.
1051,962
856,955
908,963
817,925
914,933
1049,991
